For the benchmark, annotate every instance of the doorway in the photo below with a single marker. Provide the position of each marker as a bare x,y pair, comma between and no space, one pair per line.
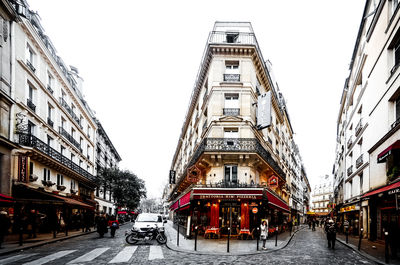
230,218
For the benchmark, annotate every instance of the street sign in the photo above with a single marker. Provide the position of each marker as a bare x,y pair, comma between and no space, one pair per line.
255,210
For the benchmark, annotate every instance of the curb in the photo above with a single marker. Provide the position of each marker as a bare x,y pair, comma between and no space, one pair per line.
362,253
177,249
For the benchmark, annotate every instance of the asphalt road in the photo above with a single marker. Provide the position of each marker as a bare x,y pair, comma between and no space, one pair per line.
306,247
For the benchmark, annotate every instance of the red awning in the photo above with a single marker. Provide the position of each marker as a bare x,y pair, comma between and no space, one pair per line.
6,199
228,193
395,187
385,153
74,202
276,202
182,201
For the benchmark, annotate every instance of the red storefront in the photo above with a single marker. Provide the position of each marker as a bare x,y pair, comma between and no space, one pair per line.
214,210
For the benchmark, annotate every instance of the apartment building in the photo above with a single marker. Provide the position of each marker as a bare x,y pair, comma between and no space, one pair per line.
234,163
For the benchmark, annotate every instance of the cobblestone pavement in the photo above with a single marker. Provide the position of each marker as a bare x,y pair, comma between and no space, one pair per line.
306,247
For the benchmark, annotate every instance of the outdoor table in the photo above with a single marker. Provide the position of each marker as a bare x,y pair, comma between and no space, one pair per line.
212,231
243,232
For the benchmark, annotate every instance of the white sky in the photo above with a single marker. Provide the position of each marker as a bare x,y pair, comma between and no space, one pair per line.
139,60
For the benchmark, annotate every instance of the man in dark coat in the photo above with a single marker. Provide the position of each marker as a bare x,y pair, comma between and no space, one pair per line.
102,224
330,229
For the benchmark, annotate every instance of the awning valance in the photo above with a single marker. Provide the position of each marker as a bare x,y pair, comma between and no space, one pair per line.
276,202
228,193
391,189
388,151
181,202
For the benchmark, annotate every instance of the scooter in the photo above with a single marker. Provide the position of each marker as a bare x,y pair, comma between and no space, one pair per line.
134,235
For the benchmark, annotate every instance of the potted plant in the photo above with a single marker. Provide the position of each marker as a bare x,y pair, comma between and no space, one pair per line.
50,183
393,173
33,178
61,187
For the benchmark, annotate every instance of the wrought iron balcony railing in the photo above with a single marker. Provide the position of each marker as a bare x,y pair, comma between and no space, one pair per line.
69,137
36,143
230,184
50,89
231,111
30,66
205,124
269,140
70,112
30,104
350,142
50,122
358,128
231,77
394,124
359,161
350,170
222,37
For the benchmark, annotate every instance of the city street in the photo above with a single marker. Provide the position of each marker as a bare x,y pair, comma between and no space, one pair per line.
306,247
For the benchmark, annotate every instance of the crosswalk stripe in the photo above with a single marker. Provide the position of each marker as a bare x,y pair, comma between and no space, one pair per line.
155,253
15,258
125,255
50,257
89,256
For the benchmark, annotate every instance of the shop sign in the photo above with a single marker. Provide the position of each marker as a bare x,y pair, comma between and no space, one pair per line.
253,204
193,174
273,182
255,210
225,196
394,191
349,208
22,168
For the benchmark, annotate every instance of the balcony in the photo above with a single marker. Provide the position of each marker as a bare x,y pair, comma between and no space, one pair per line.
358,128
231,77
69,137
222,37
231,111
50,122
36,143
350,171
204,125
270,140
30,65
359,161
70,112
30,104
50,89
350,142
394,124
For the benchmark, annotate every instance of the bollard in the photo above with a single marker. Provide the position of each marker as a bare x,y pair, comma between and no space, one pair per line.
21,231
386,247
347,236
229,234
177,236
359,241
195,238
258,237
290,231
276,237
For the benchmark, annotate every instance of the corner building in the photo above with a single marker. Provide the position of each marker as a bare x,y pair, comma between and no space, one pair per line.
230,173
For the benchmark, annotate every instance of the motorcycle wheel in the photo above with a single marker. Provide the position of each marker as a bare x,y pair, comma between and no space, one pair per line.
130,240
161,239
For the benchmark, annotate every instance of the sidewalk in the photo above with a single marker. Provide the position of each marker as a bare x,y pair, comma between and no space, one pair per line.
219,246
372,250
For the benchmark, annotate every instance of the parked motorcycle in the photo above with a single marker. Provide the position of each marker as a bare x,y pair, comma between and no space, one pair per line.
135,235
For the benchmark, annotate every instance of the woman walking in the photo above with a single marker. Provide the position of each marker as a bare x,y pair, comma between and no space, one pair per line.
264,232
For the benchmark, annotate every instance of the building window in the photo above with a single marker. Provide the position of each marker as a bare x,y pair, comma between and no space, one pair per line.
30,60
60,180
50,81
49,141
232,37
31,128
398,109
63,123
72,157
46,174
62,149
231,67
231,133
231,174
73,185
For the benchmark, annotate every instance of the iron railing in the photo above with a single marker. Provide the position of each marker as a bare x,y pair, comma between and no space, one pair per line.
30,104
50,89
394,124
358,128
30,66
230,184
50,122
222,37
231,77
350,142
36,143
350,170
70,112
231,111
70,138
359,161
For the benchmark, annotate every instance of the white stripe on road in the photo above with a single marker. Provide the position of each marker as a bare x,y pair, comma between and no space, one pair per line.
15,258
125,255
155,253
89,256
50,257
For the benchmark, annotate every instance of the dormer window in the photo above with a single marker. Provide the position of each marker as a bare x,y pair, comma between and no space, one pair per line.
232,37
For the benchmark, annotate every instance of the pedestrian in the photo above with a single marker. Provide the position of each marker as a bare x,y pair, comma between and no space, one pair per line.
102,224
113,224
313,224
32,223
264,232
309,224
330,229
4,225
86,221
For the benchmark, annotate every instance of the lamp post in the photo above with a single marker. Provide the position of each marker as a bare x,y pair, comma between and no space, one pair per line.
229,234
361,235
276,236
195,238
177,218
386,247
258,236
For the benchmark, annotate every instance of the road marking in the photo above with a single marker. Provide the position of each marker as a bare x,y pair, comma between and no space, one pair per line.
155,253
50,257
125,255
15,258
89,256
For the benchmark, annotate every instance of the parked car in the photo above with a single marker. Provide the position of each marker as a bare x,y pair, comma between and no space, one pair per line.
144,221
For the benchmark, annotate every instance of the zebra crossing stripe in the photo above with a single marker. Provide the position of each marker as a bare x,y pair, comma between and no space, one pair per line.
15,258
89,256
155,253
125,255
51,257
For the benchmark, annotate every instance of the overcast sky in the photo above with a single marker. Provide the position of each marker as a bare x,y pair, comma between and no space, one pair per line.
139,60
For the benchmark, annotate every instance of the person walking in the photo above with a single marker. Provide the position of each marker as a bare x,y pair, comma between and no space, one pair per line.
264,232
313,224
102,225
113,224
4,225
330,229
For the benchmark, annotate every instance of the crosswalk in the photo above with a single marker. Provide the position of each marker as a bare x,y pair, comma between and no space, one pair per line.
125,255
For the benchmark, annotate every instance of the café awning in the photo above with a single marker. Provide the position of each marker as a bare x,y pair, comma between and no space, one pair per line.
388,151
276,202
390,189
